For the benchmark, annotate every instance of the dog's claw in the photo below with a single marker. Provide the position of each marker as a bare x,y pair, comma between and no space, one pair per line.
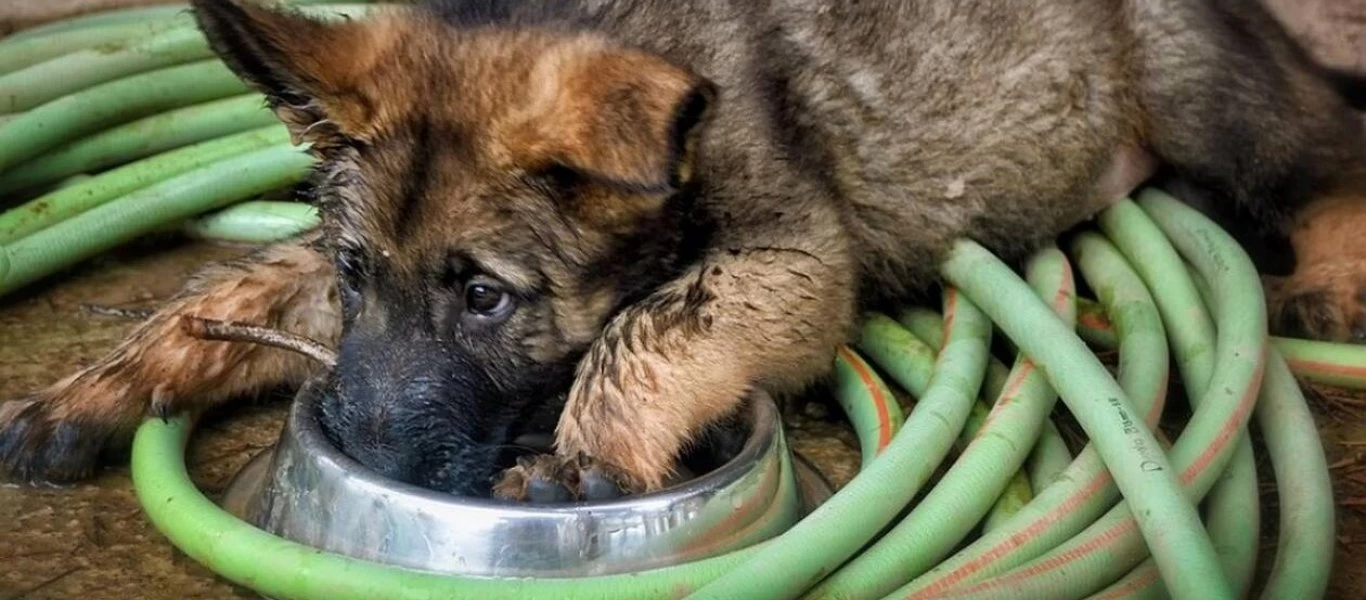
545,491
551,479
595,485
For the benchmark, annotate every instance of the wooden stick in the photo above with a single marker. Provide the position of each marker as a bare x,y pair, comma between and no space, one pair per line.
213,329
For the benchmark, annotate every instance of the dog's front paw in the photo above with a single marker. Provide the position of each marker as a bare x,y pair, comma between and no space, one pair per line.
40,442
549,479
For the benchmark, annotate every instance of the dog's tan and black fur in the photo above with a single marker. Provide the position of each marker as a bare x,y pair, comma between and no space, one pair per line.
653,205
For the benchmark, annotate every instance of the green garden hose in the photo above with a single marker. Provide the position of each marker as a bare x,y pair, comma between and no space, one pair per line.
131,14
965,494
1233,502
907,350
97,107
262,221
1205,446
905,358
859,385
174,200
1049,458
1305,541
869,502
116,16
142,138
1304,548
45,81
1084,490
1050,455
36,84
19,52
1340,365
114,185
1144,474
1328,363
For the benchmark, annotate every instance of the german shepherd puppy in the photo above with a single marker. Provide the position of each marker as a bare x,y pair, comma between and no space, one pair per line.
647,207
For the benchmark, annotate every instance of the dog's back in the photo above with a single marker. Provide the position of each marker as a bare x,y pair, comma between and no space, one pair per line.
909,124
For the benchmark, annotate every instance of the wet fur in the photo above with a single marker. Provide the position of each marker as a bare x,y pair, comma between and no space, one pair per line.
692,198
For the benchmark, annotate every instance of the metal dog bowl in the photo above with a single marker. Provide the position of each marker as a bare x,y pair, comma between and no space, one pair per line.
306,490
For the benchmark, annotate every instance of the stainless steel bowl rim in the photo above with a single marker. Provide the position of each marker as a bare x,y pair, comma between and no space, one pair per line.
309,433
306,490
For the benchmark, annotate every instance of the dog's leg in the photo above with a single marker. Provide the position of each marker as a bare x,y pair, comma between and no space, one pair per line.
671,365
1237,108
58,434
1325,298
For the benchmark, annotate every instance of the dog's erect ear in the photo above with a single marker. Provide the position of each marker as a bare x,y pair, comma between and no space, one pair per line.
636,120
621,117
308,67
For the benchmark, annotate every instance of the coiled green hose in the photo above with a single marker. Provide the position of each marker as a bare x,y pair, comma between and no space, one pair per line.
69,201
34,85
1139,465
261,221
20,51
1233,502
141,138
233,179
1050,455
92,109
807,552
1084,490
965,494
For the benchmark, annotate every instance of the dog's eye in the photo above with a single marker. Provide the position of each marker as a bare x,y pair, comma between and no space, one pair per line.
486,300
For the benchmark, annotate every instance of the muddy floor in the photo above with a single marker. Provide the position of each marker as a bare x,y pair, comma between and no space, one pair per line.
92,541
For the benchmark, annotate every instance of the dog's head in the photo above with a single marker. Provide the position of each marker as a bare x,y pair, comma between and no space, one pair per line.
492,196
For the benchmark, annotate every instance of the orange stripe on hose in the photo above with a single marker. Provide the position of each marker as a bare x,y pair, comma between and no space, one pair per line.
950,308
1115,532
1064,288
1159,402
1310,366
1148,578
1094,321
1092,488
1230,427
1010,393
884,420
1015,541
